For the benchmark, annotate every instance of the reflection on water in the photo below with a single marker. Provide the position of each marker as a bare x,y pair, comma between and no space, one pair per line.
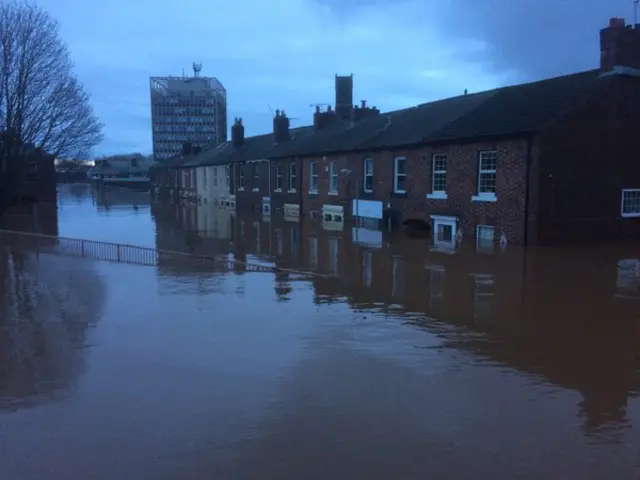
399,361
46,306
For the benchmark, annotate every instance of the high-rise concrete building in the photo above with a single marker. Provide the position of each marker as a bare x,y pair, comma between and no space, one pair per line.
187,109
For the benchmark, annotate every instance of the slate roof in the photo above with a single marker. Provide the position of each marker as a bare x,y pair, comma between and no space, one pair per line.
508,110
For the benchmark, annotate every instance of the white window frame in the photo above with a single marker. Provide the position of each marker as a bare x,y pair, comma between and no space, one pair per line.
396,175
333,178
255,184
367,162
293,175
483,244
240,178
625,192
438,194
486,196
444,220
313,177
278,177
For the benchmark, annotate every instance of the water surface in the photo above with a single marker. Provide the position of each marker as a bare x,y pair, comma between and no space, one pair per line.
398,361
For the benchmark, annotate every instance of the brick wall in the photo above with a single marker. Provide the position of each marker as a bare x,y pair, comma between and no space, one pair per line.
282,195
313,200
506,214
250,196
585,162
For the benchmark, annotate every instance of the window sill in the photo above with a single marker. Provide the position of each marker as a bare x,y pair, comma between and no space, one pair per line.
277,190
631,215
255,190
437,196
399,193
292,190
313,192
333,194
241,189
484,197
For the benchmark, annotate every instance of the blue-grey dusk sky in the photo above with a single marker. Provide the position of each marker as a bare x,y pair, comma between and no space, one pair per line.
285,53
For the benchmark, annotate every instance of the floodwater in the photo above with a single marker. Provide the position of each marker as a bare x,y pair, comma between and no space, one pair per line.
395,361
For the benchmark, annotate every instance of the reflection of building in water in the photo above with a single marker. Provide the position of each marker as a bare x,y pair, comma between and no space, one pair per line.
47,304
544,312
109,197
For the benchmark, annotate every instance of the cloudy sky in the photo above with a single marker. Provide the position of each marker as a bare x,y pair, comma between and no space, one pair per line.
284,54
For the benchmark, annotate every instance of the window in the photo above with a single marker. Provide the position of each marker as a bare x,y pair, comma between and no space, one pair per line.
313,177
444,232
438,175
228,177
400,175
204,176
292,177
333,178
215,176
487,174
631,202
256,177
241,178
279,177
368,175
485,237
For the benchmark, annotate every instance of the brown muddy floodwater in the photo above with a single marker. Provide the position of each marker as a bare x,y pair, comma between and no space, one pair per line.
398,362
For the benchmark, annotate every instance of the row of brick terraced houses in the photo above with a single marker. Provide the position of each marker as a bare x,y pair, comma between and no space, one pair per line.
537,163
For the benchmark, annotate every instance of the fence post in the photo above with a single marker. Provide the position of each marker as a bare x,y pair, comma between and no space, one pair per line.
118,252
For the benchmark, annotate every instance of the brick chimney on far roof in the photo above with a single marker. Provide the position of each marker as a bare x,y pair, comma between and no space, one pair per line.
619,46
237,132
281,127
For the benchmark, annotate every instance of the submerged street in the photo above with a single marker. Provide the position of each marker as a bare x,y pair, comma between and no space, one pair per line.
397,361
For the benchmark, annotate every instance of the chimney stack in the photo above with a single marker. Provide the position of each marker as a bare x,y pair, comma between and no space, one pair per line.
344,96
237,132
281,127
619,46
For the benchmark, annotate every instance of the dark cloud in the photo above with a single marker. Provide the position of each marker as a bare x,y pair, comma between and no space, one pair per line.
537,38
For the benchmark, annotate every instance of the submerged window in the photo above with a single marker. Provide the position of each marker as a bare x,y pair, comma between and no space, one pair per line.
631,202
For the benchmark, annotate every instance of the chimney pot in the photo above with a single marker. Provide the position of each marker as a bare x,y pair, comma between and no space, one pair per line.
364,103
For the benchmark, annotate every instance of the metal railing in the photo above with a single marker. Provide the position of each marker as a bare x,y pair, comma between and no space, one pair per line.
123,253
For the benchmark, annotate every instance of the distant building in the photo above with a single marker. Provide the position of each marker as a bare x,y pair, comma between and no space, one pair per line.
187,109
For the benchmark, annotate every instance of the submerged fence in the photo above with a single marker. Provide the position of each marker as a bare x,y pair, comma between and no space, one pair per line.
123,253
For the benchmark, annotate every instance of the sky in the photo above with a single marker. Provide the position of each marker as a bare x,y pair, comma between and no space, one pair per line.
284,54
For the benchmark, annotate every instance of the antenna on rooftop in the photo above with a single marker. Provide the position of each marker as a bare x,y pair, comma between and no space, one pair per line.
196,69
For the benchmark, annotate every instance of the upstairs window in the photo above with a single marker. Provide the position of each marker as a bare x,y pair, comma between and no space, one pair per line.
400,175
278,185
487,163
333,178
631,202
256,177
368,175
292,176
241,178
439,173
313,177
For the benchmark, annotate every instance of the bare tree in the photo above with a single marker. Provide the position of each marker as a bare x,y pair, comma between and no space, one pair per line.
41,100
